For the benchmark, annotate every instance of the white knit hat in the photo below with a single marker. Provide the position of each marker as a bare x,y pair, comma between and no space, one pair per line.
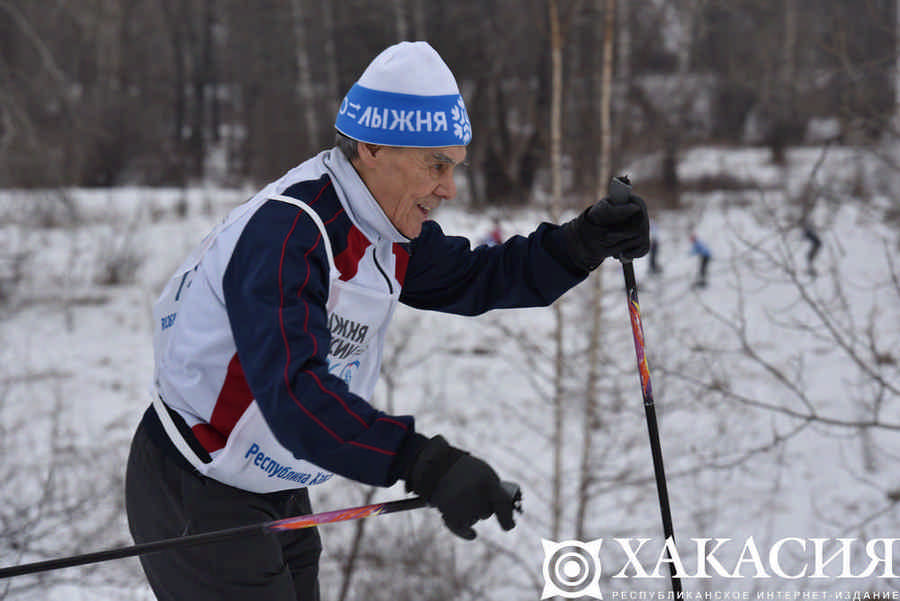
407,96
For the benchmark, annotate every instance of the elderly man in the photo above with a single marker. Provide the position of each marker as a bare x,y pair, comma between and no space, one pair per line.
268,339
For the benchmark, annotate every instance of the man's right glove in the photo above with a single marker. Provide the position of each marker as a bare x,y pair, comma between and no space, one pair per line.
465,489
608,230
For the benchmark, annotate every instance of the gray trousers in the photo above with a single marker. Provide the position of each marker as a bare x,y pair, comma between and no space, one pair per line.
165,497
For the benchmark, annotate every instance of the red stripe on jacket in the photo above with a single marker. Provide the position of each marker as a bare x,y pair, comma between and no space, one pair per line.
233,400
350,257
348,261
401,262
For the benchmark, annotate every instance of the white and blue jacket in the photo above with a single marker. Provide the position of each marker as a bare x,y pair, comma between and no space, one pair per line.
268,339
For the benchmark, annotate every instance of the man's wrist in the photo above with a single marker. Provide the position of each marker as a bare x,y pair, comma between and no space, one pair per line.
433,461
560,243
406,456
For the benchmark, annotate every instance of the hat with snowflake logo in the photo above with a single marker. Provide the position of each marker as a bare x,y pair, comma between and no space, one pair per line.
407,96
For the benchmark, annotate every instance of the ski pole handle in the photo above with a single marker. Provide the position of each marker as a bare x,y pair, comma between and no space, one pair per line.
619,190
515,494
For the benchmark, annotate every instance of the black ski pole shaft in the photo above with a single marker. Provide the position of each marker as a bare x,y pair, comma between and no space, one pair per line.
292,523
619,190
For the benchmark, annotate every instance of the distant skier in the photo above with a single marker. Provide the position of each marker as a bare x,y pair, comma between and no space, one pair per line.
495,236
702,251
655,267
815,244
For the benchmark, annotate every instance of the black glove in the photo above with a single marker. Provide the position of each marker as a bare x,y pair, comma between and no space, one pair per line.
465,489
608,230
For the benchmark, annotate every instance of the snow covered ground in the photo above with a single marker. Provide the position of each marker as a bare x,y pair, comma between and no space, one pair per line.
777,393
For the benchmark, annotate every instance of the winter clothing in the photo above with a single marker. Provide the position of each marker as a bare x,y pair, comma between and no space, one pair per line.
406,97
272,350
463,488
655,267
702,251
815,244
494,236
268,343
268,349
608,230
163,493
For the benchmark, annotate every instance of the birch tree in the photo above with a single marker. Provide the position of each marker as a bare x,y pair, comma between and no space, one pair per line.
559,412
304,77
589,418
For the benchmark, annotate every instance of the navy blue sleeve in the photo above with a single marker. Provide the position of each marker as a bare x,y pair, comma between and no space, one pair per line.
446,274
276,289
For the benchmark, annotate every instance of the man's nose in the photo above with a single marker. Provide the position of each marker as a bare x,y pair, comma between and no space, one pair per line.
446,188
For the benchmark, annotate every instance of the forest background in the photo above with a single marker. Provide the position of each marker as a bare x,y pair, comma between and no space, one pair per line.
128,128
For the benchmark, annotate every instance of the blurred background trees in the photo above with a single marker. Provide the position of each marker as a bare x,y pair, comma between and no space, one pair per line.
165,92
102,93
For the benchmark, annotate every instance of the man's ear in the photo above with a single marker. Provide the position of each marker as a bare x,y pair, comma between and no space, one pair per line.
367,152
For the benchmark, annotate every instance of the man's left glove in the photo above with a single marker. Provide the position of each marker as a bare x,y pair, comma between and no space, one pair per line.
465,489
608,230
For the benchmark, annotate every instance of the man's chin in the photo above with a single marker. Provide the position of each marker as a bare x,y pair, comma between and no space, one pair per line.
412,234
412,229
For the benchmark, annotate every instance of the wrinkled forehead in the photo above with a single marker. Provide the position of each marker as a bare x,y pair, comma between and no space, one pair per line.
451,155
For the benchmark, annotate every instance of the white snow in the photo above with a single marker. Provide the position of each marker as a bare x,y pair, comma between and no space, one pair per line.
741,457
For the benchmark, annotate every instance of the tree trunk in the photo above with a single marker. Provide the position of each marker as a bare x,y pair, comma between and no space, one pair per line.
212,72
178,101
400,26
304,78
897,65
623,63
334,93
420,27
783,114
195,41
555,203
603,174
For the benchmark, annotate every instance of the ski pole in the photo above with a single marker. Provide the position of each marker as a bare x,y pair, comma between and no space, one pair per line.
292,523
619,191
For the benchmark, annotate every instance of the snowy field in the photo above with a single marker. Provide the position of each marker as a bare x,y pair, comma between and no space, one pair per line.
778,393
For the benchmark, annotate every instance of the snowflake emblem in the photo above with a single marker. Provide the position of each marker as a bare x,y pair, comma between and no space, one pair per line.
462,129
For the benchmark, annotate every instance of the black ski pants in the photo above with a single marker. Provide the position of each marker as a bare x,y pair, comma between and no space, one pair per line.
166,497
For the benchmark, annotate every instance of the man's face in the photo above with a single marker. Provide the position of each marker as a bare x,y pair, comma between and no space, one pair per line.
409,183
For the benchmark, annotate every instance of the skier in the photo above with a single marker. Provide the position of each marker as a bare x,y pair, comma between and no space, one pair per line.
702,251
495,236
655,267
815,244
268,339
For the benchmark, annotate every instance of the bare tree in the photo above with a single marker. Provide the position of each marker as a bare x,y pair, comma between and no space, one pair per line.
589,418
304,77
559,410
401,22
62,495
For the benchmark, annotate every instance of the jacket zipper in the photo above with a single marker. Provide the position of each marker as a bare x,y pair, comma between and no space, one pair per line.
386,278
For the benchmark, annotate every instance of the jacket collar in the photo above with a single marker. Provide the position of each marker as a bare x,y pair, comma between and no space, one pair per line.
362,208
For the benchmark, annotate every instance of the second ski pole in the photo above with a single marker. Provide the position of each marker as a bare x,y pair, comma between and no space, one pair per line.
619,191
